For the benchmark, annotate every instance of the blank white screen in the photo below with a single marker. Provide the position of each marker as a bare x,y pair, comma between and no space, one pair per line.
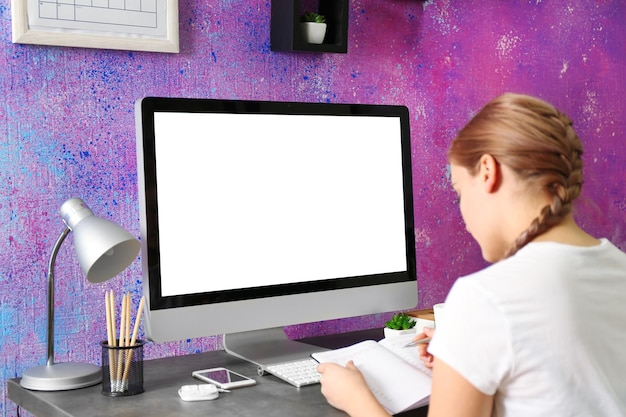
256,200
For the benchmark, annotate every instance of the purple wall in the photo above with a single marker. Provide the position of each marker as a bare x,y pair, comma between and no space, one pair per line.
67,129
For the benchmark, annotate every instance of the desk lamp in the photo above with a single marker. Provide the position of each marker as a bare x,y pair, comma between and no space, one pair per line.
104,249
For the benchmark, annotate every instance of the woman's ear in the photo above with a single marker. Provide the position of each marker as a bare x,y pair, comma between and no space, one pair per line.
489,173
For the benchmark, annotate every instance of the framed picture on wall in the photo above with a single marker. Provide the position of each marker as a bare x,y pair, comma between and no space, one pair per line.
134,25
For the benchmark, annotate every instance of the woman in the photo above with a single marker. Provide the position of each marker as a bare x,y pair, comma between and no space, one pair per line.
542,332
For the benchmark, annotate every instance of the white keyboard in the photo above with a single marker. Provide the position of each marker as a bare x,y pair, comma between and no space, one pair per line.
298,373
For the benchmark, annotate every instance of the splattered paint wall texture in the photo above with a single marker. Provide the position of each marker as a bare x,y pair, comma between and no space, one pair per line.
67,129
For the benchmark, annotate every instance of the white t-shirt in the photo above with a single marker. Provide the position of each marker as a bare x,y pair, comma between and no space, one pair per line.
544,330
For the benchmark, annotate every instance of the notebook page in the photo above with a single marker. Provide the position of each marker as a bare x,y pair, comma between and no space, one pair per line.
409,354
394,382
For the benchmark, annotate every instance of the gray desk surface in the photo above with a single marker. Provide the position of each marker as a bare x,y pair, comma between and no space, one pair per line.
163,377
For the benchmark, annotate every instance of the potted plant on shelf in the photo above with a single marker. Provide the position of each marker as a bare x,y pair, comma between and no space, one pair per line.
313,27
400,324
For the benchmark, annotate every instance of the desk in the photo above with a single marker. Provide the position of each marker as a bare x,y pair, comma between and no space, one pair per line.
162,378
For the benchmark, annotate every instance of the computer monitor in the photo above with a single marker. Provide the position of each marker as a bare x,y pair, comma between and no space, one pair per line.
256,215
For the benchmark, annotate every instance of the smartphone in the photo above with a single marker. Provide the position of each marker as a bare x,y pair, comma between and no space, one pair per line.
223,378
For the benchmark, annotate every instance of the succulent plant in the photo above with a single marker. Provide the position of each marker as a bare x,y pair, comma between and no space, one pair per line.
313,17
400,321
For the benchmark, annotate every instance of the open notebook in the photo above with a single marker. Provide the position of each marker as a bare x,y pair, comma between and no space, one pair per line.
395,374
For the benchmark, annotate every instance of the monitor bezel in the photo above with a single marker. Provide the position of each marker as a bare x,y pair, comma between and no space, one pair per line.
145,111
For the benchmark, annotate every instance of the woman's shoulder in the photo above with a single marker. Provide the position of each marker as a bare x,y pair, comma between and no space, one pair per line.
602,247
540,265
535,254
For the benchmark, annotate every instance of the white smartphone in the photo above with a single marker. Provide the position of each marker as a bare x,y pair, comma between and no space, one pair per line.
223,378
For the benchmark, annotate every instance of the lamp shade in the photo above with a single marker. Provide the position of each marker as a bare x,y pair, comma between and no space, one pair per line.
103,248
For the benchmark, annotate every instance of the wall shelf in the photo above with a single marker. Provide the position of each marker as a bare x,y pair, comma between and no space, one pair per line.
285,32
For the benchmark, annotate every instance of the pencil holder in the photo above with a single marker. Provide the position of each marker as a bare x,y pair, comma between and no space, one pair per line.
122,369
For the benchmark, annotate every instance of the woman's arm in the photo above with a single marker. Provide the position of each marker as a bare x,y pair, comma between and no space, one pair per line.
453,396
345,389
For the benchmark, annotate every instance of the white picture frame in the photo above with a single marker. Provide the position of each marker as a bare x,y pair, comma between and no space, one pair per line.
136,25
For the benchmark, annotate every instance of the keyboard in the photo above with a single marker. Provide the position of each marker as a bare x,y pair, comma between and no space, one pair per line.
298,373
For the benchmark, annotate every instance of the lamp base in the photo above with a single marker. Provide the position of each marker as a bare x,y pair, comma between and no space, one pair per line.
61,376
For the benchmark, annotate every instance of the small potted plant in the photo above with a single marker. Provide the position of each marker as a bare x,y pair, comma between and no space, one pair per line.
400,324
313,27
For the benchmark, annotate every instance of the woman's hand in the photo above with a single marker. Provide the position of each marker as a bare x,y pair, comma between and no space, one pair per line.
345,389
426,357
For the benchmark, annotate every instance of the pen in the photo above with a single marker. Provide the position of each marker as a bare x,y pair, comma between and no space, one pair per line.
418,342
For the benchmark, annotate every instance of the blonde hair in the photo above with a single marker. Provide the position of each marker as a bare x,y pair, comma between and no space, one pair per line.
537,142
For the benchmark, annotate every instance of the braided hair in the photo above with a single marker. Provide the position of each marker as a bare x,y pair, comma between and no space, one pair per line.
537,142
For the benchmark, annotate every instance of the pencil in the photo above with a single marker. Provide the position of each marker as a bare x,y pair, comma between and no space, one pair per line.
110,331
137,320
107,306
127,327
133,341
113,318
122,342
418,342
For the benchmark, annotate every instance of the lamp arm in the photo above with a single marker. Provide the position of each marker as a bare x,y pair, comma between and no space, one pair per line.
53,257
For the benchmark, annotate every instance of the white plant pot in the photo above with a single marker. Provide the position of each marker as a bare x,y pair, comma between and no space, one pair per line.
313,32
393,332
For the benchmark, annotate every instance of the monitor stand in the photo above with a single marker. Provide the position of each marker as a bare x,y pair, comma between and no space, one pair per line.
267,346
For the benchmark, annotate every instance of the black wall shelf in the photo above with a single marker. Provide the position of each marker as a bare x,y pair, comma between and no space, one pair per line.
285,32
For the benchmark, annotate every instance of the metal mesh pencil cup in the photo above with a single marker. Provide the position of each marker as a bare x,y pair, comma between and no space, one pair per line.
122,369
